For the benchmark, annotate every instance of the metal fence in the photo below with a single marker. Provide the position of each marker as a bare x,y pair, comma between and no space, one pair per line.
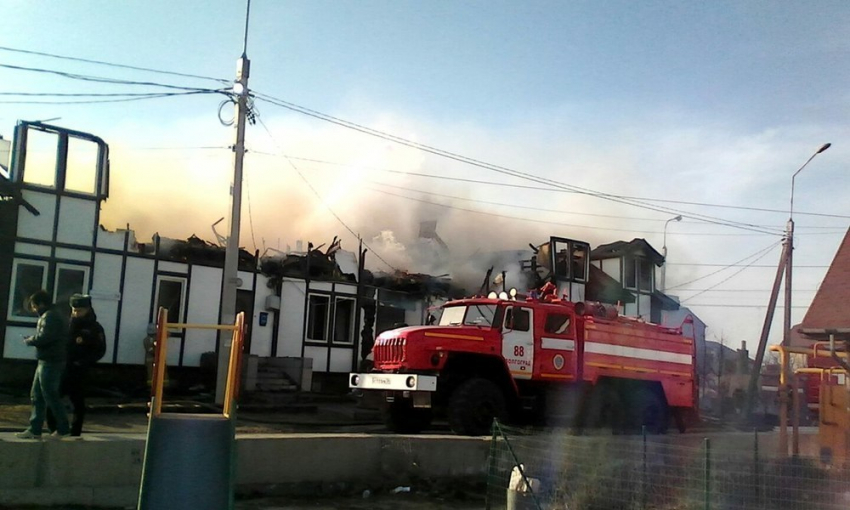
640,472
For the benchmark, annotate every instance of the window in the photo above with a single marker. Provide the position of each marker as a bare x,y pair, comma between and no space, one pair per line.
579,262
81,165
558,324
645,274
472,315
317,318
562,254
343,321
517,319
27,277
169,295
69,280
629,273
40,163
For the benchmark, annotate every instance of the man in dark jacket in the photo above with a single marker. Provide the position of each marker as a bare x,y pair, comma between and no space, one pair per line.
86,346
50,342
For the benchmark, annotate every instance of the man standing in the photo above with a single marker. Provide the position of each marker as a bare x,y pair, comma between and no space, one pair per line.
87,346
50,342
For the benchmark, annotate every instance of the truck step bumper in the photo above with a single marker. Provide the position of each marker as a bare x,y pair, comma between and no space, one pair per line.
392,382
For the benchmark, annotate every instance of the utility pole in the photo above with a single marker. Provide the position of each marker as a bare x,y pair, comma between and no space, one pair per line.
785,266
231,253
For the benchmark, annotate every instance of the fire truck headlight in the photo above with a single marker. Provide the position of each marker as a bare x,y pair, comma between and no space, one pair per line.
355,380
503,295
435,359
410,382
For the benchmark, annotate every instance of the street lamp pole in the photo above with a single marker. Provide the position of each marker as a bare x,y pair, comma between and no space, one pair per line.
664,253
783,267
786,330
789,253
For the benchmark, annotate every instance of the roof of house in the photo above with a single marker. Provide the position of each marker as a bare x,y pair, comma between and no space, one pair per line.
620,248
830,308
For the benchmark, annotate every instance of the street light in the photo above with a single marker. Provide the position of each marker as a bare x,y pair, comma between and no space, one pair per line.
789,239
664,253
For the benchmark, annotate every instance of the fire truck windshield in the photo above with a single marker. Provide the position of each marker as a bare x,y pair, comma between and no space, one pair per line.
472,315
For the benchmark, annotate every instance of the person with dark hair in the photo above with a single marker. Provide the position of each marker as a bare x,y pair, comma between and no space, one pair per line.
50,342
87,344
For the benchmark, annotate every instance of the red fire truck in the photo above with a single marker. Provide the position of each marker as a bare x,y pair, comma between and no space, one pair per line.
536,356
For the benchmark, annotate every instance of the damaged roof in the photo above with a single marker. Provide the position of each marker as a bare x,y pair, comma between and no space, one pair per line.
618,249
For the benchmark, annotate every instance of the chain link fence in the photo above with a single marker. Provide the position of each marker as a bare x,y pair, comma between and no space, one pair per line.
640,472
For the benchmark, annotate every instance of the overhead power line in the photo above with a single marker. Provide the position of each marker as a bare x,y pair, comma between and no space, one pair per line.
758,254
505,170
130,97
113,81
518,206
319,196
112,64
736,273
548,189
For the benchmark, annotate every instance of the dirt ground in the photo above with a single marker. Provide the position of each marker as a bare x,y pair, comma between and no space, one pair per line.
118,415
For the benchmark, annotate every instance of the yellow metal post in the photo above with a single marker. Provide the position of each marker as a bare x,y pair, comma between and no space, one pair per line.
190,459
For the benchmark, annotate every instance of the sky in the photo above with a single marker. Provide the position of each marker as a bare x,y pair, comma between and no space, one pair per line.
704,110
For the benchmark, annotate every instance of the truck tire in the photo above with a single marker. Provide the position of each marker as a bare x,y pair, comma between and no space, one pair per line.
402,418
473,405
650,410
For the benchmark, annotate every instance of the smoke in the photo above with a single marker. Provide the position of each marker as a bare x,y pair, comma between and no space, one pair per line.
305,181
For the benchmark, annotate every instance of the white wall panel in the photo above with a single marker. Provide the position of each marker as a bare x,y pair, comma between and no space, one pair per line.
72,254
343,289
136,305
261,337
611,267
111,240
41,226
76,221
321,286
340,361
319,355
106,292
645,306
32,249
15,348
247,280
204,300
291,318
173,267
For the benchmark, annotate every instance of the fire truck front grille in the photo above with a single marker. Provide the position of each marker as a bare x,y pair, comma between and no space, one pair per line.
389,350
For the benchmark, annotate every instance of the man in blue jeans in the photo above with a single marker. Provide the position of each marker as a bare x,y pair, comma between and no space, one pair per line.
51,344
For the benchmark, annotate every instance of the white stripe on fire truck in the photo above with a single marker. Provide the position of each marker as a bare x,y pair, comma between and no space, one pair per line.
636,352
558,343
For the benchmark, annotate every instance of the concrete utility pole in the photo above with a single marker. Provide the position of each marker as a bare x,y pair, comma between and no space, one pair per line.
231,254
785,265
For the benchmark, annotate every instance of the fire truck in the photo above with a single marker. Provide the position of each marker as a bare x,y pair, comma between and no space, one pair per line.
535,357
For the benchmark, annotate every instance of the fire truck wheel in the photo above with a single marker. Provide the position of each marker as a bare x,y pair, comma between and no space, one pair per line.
473,405
650,410
401,417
